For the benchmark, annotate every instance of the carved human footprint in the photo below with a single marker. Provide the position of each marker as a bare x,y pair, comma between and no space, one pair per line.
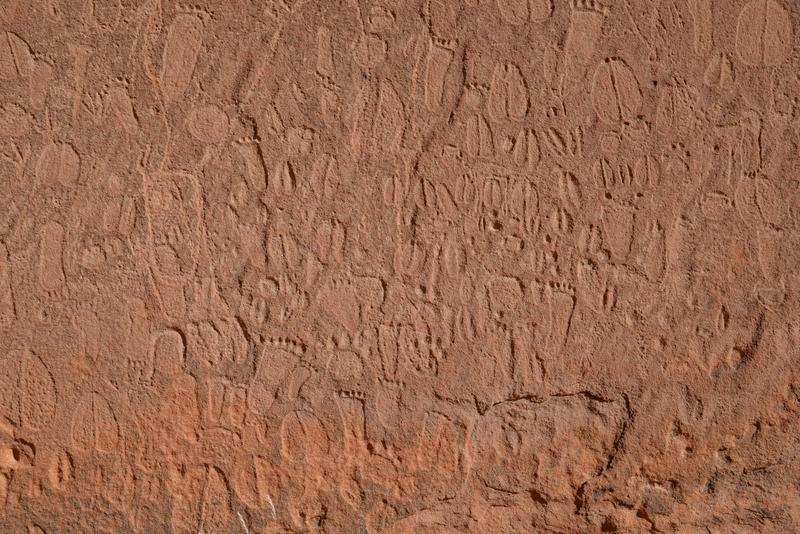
277,367
513,452
618,229
330,241
440,56
350,379
585,29
305,441
589,241
182,48
388,404
118,102
348,300
505,297
50,267
208,124
123,328
518,12
173,207
558,300
653,257
166,357
351,406
508,94
217,343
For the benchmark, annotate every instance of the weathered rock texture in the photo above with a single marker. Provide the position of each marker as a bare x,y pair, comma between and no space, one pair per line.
418,266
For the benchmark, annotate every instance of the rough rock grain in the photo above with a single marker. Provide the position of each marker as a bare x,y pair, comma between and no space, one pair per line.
421,266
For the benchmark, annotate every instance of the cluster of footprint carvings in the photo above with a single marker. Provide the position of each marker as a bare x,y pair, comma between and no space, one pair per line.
425,266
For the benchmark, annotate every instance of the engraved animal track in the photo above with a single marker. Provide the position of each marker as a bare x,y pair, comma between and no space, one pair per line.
208,124
565,145
258,483
250,152
8,309
371,266
763,33
60,471
719,72
616,95
524,149
702,27
201,500
14,121
569,189
323,178
478,138
331,241
16,58
117,100
94,425
58,163
378,120
28,393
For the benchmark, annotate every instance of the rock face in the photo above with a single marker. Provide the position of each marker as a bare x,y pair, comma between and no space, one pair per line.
423,266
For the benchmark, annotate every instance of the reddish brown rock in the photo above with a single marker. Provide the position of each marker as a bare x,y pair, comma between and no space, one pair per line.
399,267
